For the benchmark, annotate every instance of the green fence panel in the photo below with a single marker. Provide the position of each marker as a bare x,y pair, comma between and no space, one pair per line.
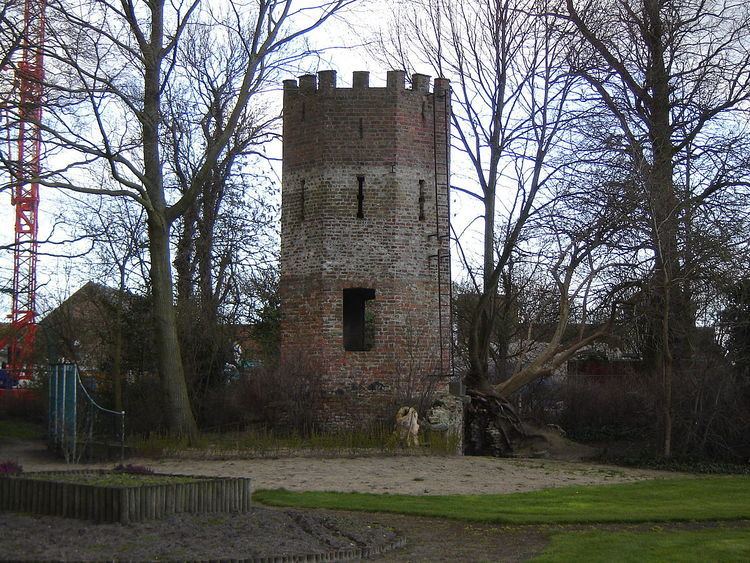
52,405
71,389
60,406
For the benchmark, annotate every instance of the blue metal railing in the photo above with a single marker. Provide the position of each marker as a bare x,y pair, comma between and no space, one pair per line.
76,419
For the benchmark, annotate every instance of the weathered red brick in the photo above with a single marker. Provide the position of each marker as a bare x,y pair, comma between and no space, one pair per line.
393,137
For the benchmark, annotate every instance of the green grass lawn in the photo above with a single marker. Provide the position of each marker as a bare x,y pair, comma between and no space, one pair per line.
665,500
684,546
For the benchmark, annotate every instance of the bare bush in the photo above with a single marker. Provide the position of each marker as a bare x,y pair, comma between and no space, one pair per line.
611,408
144,414
712,412
287,399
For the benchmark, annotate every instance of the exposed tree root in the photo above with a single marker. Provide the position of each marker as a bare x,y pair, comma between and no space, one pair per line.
492,426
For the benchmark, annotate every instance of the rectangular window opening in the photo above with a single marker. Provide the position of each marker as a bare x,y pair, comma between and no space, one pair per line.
359,319
360,197
421,200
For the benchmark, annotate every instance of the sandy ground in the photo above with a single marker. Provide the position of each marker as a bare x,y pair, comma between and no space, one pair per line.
407,475
417,475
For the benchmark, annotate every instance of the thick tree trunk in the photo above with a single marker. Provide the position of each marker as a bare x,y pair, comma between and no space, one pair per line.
476,378
184,268
117,353
663,202
184,258
489,239
179,414
178,411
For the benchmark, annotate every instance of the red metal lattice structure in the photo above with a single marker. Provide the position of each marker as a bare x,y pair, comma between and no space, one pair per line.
25,170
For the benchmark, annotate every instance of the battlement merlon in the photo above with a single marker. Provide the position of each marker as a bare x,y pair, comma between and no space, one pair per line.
325,82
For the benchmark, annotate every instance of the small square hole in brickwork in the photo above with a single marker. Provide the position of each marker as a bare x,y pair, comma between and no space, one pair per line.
359,319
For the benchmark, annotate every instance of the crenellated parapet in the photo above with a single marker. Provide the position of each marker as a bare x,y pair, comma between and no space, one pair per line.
325,82
365,124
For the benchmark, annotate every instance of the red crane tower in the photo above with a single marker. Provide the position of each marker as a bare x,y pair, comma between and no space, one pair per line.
25,192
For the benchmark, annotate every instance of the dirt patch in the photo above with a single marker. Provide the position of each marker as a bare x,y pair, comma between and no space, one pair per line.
435,539
261,533
290,531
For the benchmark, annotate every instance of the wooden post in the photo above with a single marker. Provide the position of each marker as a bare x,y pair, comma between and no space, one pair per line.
109,505
32,493
134,507
143,511
178,494
61,500
161,501
123,506
88,506
150,494
76,494
170,500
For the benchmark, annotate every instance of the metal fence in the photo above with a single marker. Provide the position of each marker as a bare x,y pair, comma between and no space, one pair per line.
78,424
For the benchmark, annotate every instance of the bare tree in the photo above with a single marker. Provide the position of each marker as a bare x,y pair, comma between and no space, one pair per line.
230,214
116,228
11,35
514,102
511,110
674,75
111,64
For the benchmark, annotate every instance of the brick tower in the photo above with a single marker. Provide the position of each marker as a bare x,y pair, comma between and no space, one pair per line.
365,253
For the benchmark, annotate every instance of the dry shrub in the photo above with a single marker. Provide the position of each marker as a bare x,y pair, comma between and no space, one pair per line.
540,401
614,408
412,388
712,413
23,406
142,402
286,399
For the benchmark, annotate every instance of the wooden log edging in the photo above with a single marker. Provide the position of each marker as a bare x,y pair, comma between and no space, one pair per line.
124,504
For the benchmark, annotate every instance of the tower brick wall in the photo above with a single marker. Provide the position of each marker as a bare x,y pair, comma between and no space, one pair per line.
365,209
